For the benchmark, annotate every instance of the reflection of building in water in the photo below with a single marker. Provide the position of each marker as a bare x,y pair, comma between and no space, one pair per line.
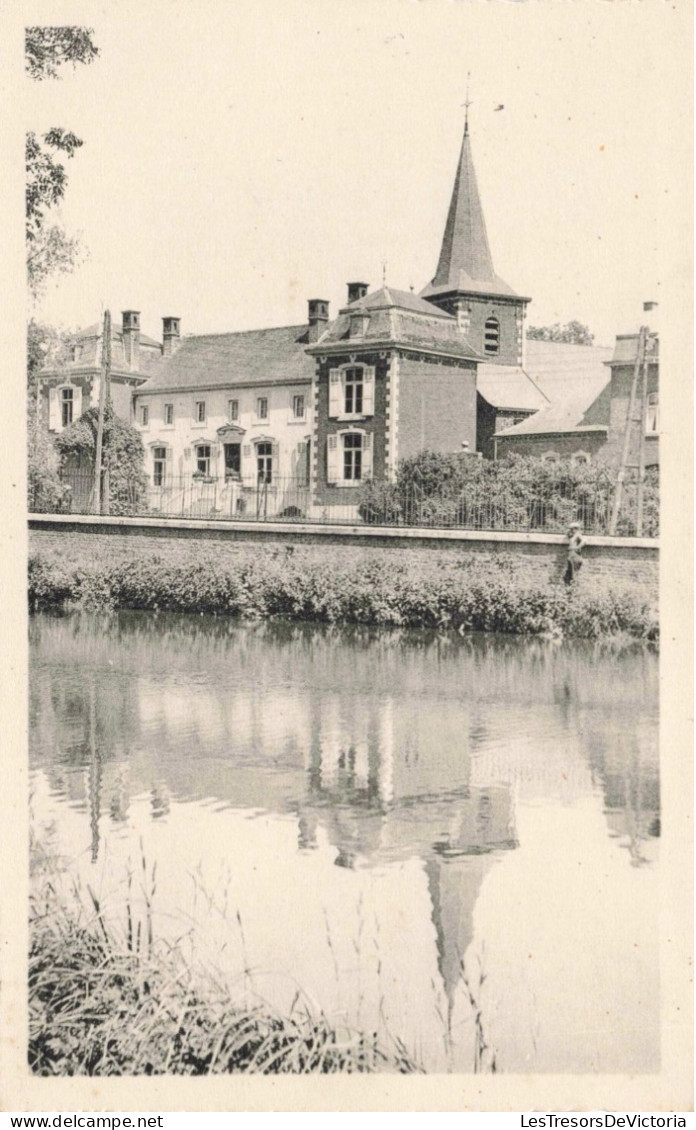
627,769
604,749
391,781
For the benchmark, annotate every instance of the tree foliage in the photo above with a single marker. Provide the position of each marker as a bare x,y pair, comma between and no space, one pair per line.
45,346
50,250
46,492
123,455
47,49
574,332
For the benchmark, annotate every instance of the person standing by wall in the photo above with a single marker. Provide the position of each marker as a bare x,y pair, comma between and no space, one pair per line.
575,544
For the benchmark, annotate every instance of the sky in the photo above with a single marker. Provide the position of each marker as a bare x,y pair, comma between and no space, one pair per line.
242,157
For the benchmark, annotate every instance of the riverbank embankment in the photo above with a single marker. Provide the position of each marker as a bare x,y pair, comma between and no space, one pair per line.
436,579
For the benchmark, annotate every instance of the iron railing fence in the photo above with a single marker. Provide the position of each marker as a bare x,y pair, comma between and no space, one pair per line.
513,507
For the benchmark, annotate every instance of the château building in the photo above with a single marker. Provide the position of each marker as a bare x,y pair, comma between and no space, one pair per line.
312,411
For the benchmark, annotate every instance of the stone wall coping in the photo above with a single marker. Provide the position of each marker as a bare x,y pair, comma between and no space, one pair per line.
325,529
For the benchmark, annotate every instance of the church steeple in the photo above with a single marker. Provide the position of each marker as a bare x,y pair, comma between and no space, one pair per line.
465,255
489,312
465,263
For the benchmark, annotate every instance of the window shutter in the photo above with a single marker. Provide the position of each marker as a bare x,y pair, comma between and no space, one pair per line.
77,403
335,390
248,465
368,391
53,413
275,455
332,459
367,456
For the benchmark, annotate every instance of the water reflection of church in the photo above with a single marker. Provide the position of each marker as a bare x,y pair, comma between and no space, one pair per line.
381,772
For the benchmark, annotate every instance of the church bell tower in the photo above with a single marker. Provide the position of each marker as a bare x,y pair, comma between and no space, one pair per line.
490,314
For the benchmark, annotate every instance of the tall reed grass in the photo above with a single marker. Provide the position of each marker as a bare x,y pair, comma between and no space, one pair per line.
107,1001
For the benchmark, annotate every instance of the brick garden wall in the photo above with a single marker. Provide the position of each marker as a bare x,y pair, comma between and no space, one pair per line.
538,558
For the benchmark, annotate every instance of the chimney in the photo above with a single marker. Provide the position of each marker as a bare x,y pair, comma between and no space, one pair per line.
130,320
652,316
318,317
356,290
171,336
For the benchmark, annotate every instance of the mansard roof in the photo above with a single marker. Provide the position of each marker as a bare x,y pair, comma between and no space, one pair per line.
250,357
397,317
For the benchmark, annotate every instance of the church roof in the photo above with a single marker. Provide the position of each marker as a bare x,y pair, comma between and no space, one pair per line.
562,369
575,379
509,386
465,262
250,357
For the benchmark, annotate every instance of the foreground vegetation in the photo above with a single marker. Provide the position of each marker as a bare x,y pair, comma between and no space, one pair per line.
467,594
108,1003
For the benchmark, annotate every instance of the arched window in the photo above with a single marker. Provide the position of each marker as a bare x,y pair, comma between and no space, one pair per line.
491,336
580,457
550,457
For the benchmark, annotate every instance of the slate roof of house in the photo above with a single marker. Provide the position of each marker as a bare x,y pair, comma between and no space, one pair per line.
250,357
387,296
509,386
95,331
465,262
90,358
398,317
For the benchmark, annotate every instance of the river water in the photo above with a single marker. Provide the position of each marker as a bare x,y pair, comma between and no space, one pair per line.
409,830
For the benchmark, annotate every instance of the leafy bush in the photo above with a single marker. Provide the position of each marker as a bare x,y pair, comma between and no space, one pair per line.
515,493
475,595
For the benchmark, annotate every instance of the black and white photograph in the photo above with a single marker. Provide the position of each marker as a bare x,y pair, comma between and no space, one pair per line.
346,555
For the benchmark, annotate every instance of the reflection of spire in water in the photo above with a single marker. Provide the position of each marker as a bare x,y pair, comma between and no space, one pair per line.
454,885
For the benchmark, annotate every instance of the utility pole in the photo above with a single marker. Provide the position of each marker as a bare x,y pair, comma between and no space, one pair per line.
640,356
105,377
641,440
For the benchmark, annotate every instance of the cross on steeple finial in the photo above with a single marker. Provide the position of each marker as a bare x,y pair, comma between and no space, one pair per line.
467,104
384,273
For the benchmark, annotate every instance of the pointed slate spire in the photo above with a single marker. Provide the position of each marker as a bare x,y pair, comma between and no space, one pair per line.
465,247
465,264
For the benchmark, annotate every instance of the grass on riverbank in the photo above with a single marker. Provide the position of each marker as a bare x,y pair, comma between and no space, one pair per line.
467,594
98,1006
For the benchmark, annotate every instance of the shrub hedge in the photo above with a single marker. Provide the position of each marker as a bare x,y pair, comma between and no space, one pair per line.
468,595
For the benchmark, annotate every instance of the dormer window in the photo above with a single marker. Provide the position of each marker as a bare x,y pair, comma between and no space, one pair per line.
359,323
77,352
491,337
